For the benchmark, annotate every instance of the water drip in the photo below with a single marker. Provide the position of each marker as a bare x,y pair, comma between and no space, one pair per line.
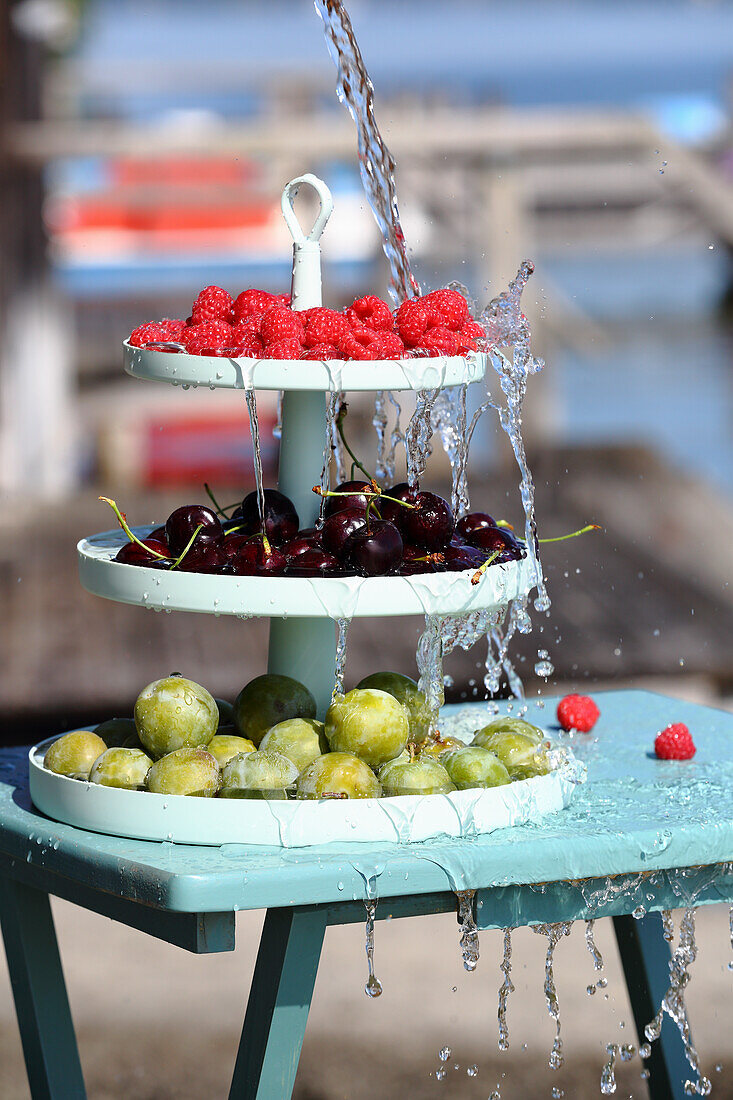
449,421
507,987
418,436
342,627
257,453
554,933
608,1073
373,987
380,421
469,931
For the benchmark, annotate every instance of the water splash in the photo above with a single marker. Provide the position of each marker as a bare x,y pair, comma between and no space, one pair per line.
254,429
449,417
554,933
469,931
673,1003
595,955
277,429
333,402
342,628
376,163
380,421
507,987
608,1073
373,987
418,436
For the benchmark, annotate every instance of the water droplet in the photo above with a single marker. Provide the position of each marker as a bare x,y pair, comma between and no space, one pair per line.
472,1071
444,1053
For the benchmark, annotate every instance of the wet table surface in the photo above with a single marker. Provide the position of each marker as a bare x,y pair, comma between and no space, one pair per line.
634,814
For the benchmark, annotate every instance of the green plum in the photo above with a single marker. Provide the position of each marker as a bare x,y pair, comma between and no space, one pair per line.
473,766
520,755
507,724
416,775
436,745
338,775
302,740
121,767
264,773
225,746
406,692
190,771
369,723
270,699
74,754
226,712
175,713
118,733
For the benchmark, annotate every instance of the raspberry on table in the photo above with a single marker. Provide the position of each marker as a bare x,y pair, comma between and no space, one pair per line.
411,319
324,326
289,348
199,339
449,308
253,303
438,341
577,712
674,743
371,312
281,323
212,304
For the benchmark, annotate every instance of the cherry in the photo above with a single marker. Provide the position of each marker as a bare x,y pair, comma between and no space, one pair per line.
391,511
459,555
233,544
472,522
428,523
500,539
357,496
375,549
159,534
133,554
314,563
234,520
306,540
182,523
255,559
339,527
202,559
281,519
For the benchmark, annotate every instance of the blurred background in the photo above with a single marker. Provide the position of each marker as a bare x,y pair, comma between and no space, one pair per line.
144,146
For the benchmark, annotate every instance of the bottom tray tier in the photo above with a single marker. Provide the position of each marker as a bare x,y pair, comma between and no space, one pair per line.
297,824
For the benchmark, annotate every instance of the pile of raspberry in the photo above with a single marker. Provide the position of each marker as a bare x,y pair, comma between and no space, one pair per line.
260,325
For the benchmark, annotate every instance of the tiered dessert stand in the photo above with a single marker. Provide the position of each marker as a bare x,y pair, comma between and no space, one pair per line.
302,610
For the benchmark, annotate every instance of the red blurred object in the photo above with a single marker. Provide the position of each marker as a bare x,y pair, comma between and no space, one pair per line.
180,171
193,449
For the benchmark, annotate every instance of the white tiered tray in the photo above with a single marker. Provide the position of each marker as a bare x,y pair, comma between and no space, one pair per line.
181,369
296,824
282,597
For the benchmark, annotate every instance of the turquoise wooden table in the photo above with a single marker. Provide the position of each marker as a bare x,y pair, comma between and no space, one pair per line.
662,830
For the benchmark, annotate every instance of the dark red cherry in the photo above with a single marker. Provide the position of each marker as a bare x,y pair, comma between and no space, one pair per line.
389,510
338,528
497,539
357,496
375,550
459,555
159,534
429,523
202,559
281,519
182,523
256,560
305,541
314,563
133,554
472,522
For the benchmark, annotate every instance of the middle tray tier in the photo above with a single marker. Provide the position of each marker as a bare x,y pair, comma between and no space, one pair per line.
306,597
333,375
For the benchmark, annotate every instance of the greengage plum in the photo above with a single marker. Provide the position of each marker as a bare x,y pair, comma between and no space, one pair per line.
435,745
118,733
406,691
225,746
369,723
508,724
260,774
521,756
74,754
270,699
473,766
187,771
302,740
175,713
338,775
419,775
120,767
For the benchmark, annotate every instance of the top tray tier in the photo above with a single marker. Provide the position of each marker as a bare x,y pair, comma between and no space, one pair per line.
180,369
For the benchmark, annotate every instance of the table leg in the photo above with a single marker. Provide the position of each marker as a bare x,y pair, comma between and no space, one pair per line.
279,1000
645,956
39,990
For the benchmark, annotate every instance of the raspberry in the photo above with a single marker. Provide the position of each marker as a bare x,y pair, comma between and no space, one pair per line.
212,304
411,320
199,339
248,345
577,712
248,326
153,332
357,344
468,336
253,303
450,308
289,348
371,312
280,323
674,743
439,341
324,326
322,351
387,345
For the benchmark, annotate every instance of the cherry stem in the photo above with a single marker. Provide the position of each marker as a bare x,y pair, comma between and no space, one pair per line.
574,534
475,579
130,534
221,511
340,417
187,547
504,523
376,493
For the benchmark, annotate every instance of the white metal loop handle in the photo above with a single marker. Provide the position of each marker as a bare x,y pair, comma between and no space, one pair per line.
326,208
